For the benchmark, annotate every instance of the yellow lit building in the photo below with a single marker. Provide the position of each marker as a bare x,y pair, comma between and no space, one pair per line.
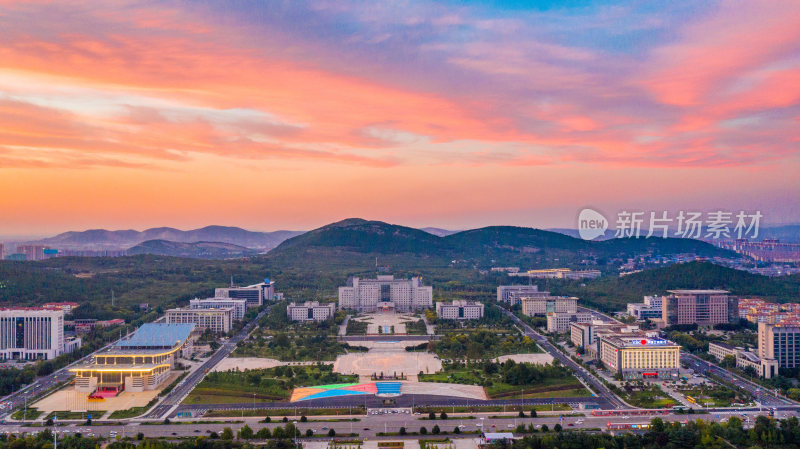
141,362
638,358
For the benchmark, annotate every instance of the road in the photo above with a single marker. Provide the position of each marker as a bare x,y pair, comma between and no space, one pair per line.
761,394
582,373
369,426
180,391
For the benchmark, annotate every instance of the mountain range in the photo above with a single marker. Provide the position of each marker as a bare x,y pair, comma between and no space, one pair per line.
103,239
493,245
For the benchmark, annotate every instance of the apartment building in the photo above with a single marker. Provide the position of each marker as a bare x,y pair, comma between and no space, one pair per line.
31,333
239,306
513,294
702,307
560,322
216,320
549,304
404,295
459,310
310,311
640,358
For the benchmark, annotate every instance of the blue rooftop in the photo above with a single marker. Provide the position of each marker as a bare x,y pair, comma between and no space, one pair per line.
158,335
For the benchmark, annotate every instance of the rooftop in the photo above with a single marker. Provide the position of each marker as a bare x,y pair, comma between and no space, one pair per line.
157,335
644,342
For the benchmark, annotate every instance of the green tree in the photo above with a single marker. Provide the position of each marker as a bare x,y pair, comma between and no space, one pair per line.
227,433
245,433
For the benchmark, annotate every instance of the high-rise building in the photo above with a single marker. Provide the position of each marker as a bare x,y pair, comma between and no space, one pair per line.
406,295
239,306
459,310
638,358
310,311
215,320
32,252
513,294
28,333
549,304
702,307
2,251
780,342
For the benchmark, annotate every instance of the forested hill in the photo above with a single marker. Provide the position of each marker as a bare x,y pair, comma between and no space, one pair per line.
494,245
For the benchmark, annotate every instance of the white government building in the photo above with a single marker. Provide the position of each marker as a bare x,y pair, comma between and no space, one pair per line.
239,306
513,294
549,304
459,310
216,320
404,295
31,333
310,311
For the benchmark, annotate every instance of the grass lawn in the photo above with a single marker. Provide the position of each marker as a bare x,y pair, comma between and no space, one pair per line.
649,399
75,415
264,385
561,384
31,413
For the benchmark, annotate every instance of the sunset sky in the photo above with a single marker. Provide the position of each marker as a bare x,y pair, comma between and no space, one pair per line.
289,115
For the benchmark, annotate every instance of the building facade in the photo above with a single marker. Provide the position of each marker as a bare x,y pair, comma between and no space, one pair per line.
311,311
559,322
215,320
640,358
701,307
459,310
363,295
239,306
642,311
253,295
31,333
549,304
780,342
764,367
141,362
513,294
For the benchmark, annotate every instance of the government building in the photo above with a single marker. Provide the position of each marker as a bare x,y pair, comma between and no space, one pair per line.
459,310
311,311
402,295
640,358
141,362
216,320
549,304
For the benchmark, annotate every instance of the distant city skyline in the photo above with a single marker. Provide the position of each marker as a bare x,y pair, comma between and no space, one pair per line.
268,116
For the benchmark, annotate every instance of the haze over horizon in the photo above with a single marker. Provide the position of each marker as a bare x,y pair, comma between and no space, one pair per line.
457,115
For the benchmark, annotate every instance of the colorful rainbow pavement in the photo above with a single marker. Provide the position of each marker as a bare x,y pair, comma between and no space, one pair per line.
334,390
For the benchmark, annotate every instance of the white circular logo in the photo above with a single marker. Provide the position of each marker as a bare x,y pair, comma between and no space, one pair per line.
591,224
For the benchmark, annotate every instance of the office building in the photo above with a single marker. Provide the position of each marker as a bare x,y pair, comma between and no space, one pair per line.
653,301
254,295
559,322
239,306
405,295
513,294
587,335
642,311
141,362
215,320
459,310
764,367
311,311
31,333
701,307
549,304
640,358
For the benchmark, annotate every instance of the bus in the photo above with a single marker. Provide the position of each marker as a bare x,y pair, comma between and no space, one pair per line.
627,426
691,399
